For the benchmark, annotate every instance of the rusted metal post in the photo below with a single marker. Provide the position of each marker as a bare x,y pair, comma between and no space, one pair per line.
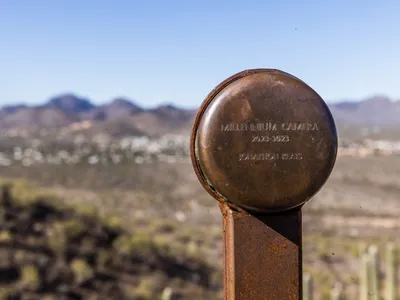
263,143
262,255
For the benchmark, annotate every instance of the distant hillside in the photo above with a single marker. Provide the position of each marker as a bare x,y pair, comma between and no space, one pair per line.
378,110
118,117
121,116
69,103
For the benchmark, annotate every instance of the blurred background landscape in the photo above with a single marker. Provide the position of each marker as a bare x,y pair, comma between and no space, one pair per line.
98,196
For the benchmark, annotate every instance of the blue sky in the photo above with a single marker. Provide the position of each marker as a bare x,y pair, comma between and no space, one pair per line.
177,51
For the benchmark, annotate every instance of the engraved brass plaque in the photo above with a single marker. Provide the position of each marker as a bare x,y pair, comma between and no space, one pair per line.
264,141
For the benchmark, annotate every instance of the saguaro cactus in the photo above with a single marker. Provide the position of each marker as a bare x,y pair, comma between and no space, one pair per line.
390,286
307,287
166,294
373,283
363,284
337,292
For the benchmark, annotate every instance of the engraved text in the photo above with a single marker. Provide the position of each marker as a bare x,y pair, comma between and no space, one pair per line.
270,156
270,139
269,127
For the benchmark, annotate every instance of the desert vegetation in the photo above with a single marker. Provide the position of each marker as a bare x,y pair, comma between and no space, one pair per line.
125,217
170,217
374,281
54,250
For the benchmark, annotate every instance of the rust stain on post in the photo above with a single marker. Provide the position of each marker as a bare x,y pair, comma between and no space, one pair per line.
263,255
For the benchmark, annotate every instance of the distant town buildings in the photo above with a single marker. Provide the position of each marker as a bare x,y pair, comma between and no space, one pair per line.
369,147
102,149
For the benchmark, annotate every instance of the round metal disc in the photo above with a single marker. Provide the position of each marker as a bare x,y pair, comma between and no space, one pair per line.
264,140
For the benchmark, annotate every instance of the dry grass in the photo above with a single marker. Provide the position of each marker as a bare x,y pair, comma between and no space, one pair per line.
164,203
55,249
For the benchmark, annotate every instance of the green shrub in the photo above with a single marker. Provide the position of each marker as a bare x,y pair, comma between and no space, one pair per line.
73,228
139,243
57,238
30,278
143,291
5,236
82,270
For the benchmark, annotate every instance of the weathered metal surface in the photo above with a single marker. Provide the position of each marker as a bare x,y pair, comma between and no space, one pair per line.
264,141
263,255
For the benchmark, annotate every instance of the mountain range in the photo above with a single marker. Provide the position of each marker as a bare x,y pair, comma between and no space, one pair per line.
122,115
377,110
116,117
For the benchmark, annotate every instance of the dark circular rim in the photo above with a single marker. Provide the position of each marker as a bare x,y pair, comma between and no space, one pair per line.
210,97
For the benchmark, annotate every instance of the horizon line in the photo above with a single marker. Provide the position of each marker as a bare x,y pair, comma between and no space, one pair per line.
172,103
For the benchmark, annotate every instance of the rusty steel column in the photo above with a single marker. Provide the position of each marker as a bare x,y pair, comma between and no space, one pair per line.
262,254
263,144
